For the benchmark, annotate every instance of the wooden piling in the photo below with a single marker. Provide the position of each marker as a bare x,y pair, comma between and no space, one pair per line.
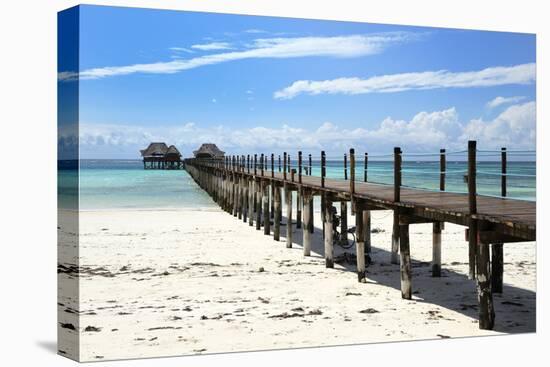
329,246
367,230
284,166
436,249
360,245
344,221
484,293
258,204
251,203
395,238
497,267
299,207
266,208
405,263
306,233
277,214
288,201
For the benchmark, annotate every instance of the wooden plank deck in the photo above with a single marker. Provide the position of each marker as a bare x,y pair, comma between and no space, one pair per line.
519,215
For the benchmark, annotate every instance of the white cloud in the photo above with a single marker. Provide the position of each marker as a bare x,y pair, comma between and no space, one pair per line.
498,101
514,127
340,46
181,49
255,31
493,76
425,132
213,46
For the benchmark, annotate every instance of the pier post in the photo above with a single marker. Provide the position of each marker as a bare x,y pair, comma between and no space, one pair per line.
245,199
299,207
472,204
284,166
395,238
484,294
405,257
306,232
367,221
309,165
258,204
266,208
360,233
278,211
288,201
497,267
344,221
323,201
251,203
329,246
436,249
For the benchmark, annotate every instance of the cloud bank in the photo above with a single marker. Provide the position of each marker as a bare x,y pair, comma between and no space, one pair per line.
425,132
391,83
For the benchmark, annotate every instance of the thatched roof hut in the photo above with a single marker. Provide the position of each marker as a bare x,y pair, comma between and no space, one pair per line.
209,150
155,150
172,154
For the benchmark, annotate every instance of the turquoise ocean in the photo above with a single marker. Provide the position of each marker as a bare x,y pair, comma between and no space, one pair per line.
124,184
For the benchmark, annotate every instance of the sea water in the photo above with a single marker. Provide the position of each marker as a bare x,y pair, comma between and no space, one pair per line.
124,184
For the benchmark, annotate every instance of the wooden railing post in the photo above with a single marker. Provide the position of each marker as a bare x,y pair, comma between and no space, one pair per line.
248,163
284,166
272,165
352,171
323,168
300,166
279,163
503,170
397,174
262,164
345,166
309,164
255,164
442,169
365,169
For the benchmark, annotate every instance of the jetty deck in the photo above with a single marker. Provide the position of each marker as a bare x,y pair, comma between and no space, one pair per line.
251,191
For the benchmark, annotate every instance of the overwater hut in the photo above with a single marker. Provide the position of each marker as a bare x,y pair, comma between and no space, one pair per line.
160,156
209,150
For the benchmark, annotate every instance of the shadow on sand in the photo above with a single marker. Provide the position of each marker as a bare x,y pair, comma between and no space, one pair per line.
515,308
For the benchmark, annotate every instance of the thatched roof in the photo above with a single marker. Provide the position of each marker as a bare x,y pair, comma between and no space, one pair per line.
173,150
209,150
155,149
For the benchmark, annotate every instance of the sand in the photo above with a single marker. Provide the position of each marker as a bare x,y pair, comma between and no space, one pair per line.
177,282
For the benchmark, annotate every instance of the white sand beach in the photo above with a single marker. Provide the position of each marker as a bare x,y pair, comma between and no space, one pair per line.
177,282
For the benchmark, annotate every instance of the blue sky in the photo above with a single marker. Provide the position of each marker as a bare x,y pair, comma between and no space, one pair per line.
263,84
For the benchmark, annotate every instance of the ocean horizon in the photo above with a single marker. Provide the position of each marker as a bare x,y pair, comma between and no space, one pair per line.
124,184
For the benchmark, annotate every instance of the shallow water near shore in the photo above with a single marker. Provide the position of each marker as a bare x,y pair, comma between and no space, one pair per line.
124,184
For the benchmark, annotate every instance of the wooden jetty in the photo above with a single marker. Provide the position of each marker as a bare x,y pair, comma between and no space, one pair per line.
242,186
